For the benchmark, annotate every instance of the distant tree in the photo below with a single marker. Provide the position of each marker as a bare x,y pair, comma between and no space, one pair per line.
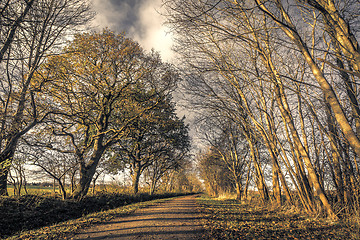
161,166
157,141
184,179
217,177
232,149
17,175
37,151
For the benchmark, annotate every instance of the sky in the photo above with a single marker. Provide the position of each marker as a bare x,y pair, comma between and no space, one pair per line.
140,19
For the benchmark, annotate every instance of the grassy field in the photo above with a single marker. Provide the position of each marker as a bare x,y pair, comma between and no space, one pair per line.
34,190
230,219
50,191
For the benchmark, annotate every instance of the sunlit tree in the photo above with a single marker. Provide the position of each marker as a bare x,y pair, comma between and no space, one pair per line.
286,74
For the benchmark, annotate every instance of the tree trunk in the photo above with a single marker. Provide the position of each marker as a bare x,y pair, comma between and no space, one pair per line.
86,174
248,176
152,187
3,181
339,183
238,187
276,185
54,186
136,179
62,189
94,182
72,179
87,171
5,164
260,181
284,109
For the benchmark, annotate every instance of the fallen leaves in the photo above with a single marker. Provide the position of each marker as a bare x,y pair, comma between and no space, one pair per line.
229,219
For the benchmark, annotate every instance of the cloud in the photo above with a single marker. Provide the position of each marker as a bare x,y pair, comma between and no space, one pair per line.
140,19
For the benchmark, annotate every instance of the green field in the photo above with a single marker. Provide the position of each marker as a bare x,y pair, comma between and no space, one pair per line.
34,190
41,190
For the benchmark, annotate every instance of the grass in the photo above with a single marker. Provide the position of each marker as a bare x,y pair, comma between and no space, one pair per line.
231,219
55,192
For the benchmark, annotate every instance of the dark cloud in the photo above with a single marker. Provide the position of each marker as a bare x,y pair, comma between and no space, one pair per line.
121,15
130,13
138,18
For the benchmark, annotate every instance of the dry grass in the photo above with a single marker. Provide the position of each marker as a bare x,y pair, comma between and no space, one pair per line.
226,196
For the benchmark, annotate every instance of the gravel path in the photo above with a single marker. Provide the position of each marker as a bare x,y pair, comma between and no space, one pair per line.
174,219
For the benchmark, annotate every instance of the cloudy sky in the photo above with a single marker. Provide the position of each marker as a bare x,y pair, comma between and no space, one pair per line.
140,19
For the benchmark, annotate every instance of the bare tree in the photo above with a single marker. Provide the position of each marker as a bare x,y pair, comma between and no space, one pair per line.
11,19
250,72
17,175
38,29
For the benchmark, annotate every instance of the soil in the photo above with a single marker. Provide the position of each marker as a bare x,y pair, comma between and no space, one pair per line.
178,218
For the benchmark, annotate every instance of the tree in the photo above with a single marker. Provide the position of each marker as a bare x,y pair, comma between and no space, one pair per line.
98,87
17,175
11,19
232,149
160,167
30,30
341,32
157,142
217,177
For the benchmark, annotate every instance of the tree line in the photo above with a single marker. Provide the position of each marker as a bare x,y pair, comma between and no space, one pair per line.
275,85
74,102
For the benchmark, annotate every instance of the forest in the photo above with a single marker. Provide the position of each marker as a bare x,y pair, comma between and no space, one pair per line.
272,87
275,87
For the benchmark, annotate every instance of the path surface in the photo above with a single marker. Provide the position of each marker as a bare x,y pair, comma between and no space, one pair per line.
174,219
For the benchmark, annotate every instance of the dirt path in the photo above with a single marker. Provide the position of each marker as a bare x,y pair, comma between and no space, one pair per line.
174,219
